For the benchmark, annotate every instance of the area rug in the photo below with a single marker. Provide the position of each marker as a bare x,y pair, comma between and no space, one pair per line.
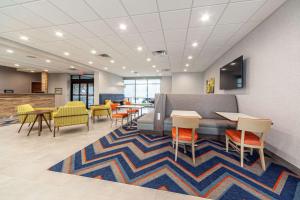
127,156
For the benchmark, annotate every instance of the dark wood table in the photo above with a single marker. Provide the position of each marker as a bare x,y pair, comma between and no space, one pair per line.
40,115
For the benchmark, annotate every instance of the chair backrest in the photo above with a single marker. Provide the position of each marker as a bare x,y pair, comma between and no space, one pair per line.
75,103
71,111
127,102
21,109
184,122
254,125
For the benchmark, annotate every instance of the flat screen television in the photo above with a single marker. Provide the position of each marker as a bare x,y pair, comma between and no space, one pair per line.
232,75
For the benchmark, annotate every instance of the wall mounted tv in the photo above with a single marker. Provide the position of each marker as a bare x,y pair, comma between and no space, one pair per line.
232,75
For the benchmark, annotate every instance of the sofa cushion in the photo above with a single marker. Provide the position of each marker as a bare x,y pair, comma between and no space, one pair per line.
218,123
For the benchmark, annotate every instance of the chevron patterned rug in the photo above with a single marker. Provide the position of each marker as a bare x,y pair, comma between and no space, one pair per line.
148,161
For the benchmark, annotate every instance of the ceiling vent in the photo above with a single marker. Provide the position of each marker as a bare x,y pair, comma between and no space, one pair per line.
104,55
31,56
159,53
72,69
165,70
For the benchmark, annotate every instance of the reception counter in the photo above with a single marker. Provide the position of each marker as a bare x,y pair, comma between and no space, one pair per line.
9,102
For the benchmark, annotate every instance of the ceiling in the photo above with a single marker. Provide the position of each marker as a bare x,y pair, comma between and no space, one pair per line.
86,25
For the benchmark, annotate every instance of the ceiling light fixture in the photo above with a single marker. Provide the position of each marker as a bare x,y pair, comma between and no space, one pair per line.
139,48
59,34
190,57
205,17
48,61
185,70
157,70
32,71
66,53
154,66
106,68
46,70
195,44
123,27
187,65
72,67
9,51
90,62
148,59
132,71
93,51
17,65
112,61
123,67
23,37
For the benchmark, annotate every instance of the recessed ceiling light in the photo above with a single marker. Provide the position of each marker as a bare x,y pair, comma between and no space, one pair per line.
123,27
139,48
112,61
190,57
123,67
72,67
32,71
59,34
148,59
195,44
185,70
48,61
17,65
205,17
66,53
9,51
132,71
106,68
93,51
46,70
157,70
187,65
23,37
153,66
90,62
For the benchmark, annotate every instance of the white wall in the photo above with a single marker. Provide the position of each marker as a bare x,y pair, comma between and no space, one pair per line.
187,83
60,81
20,82
166,84
105,82
272,53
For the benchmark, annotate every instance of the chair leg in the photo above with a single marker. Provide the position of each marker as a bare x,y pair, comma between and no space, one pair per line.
262,158
251,151
227,143
173,144
242,156
193,153
184,148
54,131
176,150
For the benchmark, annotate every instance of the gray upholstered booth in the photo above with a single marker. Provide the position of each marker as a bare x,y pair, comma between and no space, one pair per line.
205,105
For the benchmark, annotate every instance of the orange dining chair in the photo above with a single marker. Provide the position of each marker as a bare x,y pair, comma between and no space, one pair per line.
251,134
117,115
184,132
133,112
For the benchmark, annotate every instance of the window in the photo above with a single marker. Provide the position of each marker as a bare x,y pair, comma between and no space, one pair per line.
82,89
141,90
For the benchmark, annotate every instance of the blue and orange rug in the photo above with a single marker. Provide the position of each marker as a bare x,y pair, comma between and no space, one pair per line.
148,161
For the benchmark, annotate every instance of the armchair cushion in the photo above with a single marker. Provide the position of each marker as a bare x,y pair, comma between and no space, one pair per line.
73,115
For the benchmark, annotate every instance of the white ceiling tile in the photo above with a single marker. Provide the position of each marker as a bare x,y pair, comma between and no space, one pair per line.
133,40
24,15
98,27
222,33
198,3
153,37
77,9
165,5
108,8
10,24
49,12
175,35
267,9
240,12
213,11
76,30
140,6
156,46
115,23
175,19
147,22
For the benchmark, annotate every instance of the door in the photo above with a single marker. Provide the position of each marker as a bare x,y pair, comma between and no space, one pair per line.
82,89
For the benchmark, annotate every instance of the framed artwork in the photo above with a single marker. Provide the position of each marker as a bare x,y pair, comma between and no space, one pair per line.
58,91
210,86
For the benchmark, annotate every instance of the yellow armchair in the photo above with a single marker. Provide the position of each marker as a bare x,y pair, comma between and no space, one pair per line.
100,110
74,103
68,116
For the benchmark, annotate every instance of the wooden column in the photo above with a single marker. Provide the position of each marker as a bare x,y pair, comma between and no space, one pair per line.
44,82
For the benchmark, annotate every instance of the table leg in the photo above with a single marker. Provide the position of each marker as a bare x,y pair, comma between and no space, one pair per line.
47,123
40,124
32,125
23,123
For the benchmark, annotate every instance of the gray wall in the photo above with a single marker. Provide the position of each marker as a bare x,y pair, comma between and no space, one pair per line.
56,80
187,83
166,84
20,82
272,53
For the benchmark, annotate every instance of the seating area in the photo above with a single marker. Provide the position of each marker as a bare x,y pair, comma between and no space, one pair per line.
149,99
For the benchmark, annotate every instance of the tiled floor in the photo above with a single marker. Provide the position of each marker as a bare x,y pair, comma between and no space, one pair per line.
24,162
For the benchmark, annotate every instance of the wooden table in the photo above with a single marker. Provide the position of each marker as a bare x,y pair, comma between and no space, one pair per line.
186,114
40,115
130,107
235,116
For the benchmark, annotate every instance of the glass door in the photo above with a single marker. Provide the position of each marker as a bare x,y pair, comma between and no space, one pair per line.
82,89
